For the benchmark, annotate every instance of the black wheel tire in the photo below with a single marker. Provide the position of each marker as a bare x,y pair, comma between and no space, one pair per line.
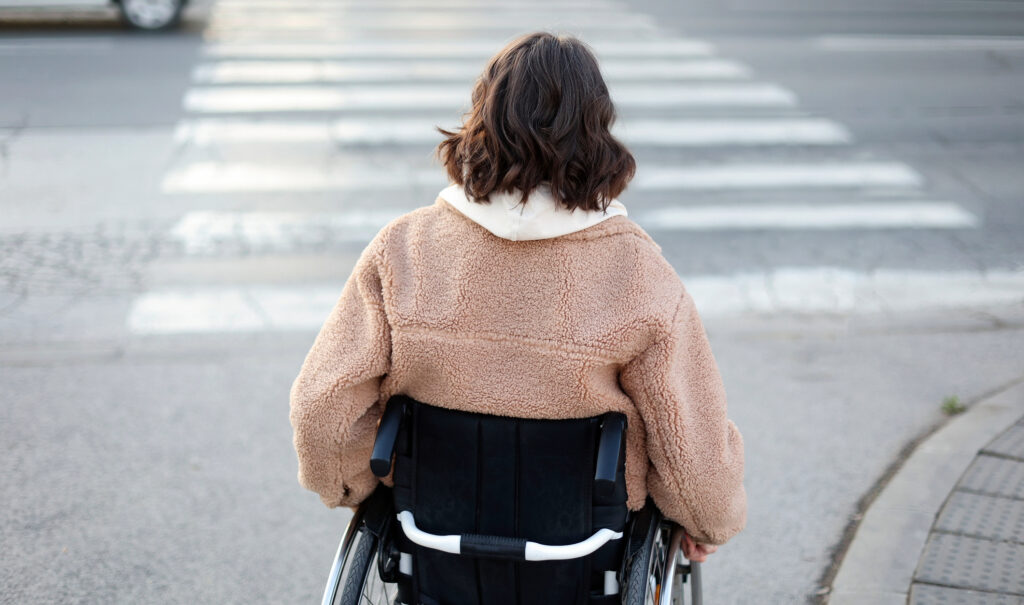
134,15
359,582
358,561
638,568
651,559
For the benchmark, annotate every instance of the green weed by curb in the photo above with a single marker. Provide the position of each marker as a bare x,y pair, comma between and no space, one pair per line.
952,405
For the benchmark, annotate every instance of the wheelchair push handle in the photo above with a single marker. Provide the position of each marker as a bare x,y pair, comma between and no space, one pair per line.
500,547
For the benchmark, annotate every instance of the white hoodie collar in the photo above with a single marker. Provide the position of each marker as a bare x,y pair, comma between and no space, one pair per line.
540,218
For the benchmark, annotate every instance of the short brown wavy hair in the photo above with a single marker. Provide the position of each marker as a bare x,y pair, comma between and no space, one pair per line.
540,113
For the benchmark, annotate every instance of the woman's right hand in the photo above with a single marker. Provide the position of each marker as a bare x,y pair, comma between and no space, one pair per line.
695,551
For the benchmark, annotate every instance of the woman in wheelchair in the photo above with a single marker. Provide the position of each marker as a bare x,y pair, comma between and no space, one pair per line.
514,389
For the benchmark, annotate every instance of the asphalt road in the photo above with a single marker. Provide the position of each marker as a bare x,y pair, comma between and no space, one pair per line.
166,252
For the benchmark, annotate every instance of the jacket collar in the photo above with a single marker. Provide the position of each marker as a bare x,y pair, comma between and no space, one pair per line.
540,218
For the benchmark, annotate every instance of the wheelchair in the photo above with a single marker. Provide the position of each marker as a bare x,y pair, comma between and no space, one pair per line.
490,510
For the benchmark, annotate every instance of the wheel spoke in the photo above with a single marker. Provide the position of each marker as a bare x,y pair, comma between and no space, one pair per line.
376,591
656,568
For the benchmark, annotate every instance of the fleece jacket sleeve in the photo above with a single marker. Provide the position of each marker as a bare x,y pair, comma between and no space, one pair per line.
696,452
334,405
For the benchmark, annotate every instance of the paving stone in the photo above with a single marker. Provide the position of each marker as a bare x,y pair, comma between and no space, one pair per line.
992,517
109,260
116,258
927,594
995,476
962,562
1010,443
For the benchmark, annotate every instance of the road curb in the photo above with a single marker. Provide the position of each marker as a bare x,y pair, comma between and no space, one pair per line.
879,564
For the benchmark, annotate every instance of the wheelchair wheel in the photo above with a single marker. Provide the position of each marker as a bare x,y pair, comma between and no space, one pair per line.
354,578
656,575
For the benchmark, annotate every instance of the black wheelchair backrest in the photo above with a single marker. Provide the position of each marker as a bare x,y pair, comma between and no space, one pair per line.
502,510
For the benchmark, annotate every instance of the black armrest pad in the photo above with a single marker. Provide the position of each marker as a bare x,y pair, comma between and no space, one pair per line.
609,453
387,434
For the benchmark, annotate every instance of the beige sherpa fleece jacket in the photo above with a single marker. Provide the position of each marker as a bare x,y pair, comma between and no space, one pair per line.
527,311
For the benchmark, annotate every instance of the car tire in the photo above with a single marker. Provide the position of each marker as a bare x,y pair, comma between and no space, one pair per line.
151,15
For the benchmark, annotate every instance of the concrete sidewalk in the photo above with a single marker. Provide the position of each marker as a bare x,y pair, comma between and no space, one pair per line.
949,525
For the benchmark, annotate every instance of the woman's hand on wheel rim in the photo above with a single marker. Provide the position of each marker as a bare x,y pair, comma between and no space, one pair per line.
695,551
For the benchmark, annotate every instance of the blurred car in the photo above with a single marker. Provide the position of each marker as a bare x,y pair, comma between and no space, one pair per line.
141,14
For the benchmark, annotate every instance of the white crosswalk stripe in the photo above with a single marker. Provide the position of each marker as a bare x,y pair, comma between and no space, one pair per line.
777,175
421,20
738,131
388,5
205,232
421,131
783,290
406,97
907,215
206,177
929,43
480,50
284,82
464,72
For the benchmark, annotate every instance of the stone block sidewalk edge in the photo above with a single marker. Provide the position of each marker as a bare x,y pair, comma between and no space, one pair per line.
878,567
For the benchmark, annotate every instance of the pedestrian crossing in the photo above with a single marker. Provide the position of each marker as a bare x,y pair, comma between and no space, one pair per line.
363,5
454,70
417,132
433,49
396,97
205,232
202,177
786,290
403,20
294,101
